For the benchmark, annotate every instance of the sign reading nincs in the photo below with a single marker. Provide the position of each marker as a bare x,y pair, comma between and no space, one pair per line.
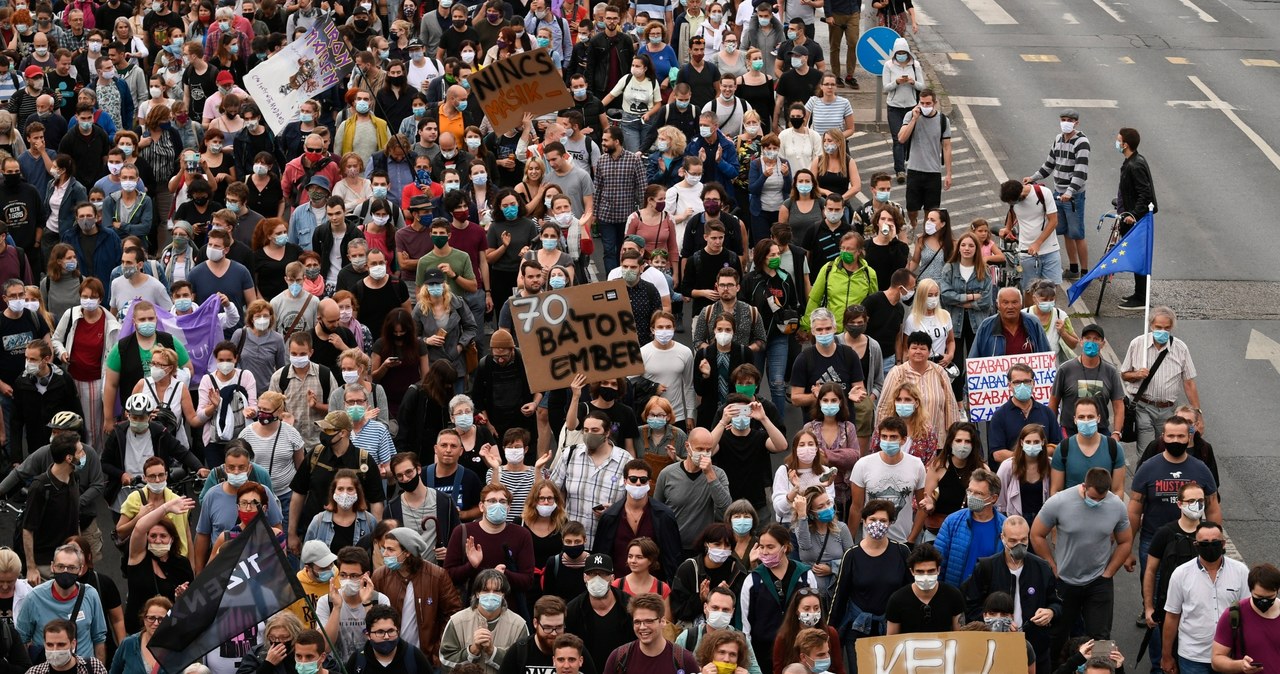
944,653
528,82
587,330
987,380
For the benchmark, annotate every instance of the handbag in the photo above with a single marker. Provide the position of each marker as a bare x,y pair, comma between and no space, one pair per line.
1129,433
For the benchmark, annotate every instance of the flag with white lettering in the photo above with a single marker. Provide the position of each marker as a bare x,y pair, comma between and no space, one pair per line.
248,582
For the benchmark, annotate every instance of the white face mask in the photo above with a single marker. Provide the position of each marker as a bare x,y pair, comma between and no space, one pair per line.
597,587
513,454
350,376
262,324
724,338
225,367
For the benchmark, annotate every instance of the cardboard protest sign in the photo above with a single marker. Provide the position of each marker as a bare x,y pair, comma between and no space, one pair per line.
525,82
305,68
943,653
586,329
988,382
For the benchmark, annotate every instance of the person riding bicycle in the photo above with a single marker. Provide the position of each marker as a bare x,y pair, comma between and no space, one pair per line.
123,457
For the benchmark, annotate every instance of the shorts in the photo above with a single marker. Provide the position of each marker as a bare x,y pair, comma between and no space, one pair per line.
1070,216
1043,266
924,190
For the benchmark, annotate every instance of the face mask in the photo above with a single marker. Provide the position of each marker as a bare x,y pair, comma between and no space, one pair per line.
86,127
797,62
1022,392
183,304
742,525
597,587
664,336
724,338
876,529
931,303
510,212
378,272
496,513
147,329
757,64
237,479
637,491
1161,336
1018,552
804,188
926,582
829,148
311,272
261,324
60,659
890,447
630,276
1211,551
462,105
1000,624
926,110
214,254
930,227
351,588
904,409
825,515
300,361
391,562
833,218
1032,449
719,619
1176,449
548,511
435,289
306,667
69,265
1193,511
692,180
829,409
975,503
1263,604
771,560
820,664
1091,349
30,369
1091,502
1087,428
961,451
764,20
720,556
463,422
1067,127
1119,147
741,423
901,58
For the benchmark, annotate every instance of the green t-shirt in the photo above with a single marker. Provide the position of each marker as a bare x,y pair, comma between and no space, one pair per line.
460,261
113,358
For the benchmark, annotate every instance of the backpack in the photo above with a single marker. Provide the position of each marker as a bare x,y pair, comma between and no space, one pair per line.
326,378
1112,448
906,147
227,410
620,665
1237,630
1179,551
1011,220
164,414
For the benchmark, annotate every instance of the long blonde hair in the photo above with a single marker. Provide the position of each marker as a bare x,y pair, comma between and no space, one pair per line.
838,137
917,425
919,310
425,300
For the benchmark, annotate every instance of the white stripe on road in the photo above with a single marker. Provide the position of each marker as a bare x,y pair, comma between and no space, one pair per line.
1204,16
975,100
1109,10
1235,119
1071,20
1079,103
1200,105
924,19
979,141
989,12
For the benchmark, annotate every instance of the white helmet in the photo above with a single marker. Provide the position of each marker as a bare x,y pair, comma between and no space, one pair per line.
139,404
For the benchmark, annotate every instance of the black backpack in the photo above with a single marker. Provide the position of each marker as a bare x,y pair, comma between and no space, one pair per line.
1179,551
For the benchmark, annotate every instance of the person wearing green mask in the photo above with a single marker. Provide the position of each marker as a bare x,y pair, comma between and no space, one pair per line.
844,281
775,293
453,263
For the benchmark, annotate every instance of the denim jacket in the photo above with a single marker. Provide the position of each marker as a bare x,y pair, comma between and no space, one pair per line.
321,528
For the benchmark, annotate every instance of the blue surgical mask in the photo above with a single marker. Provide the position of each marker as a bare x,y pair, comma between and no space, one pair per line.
237,479
827,514
901,58
890,447
147,329
1032,449
804,188
379,191
557,282
657,423
1091,503
1087,428
282,239
882,196
825,340
1022,392
1119,147
490,601
829,409
182,304
1091,349
550,244
464,421
741,525
295,289
306,667
904,409
305,117
435,289
462,105
1161,336
325,576
391,562
741,423
496,513
362,107
510,212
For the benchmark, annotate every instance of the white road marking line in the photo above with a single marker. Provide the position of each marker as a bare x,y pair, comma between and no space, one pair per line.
1235,119
975,100
1071,20
1109,10
1079,103
924,19
1204,16
989,12
1200,105
979,141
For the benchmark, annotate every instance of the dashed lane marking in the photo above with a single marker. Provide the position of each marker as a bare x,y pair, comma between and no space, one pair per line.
1079,103
962,56
1040,58
1263,63
1178,60
990,12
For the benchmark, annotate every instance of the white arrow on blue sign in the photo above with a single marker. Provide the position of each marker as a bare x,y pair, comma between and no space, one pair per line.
875,47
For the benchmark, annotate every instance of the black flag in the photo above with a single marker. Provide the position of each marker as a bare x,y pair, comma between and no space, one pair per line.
248,582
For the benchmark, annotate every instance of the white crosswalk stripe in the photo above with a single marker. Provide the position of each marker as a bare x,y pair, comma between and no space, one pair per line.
990,12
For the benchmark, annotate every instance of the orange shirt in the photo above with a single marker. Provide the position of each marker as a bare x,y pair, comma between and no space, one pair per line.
454,124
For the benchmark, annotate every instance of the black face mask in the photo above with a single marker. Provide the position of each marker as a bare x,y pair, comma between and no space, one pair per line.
200,201
573,551
607,394
411,484
1211,551
65,579
328,440
1263,604
796,122
1175,449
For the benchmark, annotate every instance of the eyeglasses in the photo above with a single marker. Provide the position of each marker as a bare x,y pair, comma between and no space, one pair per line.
249,505
1021,381
638,479
153,619
385,634
490,502
551,629
65,568
645,623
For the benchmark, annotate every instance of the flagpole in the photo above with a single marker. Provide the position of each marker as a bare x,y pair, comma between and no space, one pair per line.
1146,303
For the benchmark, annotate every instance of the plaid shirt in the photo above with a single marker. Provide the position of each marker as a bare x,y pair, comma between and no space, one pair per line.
585,485
620,184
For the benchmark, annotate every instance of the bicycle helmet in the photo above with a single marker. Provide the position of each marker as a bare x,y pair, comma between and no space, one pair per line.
139,404
66,421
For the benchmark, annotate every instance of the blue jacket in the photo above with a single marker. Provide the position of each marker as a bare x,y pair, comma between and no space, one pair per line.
74,195
321,528
106,255
755,183
660,172
302,226
128,657
989,340
954,287
954,537
134,221
723,171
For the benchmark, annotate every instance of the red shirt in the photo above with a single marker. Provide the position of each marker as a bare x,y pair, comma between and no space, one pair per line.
1017,342
472,241
86,349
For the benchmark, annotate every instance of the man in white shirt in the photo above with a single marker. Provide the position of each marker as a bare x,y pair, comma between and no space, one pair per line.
1199,593
894,475
1037,243
727,107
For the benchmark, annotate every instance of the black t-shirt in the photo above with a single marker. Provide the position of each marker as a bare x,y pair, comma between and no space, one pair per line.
796,88
784,54
602,634
462,486
187,211
314,483
875,579
884,321
53,514
342,536
842,367
624,425
15,335
325,353
376,303
744,460
202,86
451,41
913,616
887,259
65,86
1172,547
701,271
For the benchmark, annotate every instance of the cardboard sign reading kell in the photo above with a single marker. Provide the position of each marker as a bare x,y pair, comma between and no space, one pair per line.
525,82
586,330
945,652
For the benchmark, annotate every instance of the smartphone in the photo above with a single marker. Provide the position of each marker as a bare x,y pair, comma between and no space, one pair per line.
599,508
827,473
1103,647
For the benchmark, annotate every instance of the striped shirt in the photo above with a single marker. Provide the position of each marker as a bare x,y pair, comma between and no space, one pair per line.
1177,368
828,115
1068,163
375,438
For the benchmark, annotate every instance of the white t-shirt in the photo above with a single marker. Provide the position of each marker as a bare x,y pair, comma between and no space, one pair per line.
637,96
896,484
934,325
429,70
1032,216
650,274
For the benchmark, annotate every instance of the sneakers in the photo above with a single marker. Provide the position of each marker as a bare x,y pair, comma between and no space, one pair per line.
1131,303
902,177
853,83
1072,275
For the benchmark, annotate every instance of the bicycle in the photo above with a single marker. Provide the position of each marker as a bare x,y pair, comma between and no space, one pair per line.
1011,270
1112,239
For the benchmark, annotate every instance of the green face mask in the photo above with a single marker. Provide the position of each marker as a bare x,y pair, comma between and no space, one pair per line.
440,241
774,263
748,390
846,257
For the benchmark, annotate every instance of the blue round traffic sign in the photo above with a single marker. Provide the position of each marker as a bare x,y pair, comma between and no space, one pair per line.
875,47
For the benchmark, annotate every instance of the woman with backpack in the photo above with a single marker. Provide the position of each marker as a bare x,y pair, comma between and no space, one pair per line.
168,392
228,398
641,97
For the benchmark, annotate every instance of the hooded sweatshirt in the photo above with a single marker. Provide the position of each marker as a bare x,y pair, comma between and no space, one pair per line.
902,95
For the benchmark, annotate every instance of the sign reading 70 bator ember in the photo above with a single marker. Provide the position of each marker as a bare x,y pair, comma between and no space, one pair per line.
587,330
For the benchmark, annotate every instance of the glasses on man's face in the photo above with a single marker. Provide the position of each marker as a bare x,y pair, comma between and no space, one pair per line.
638,479
65,568
1016,382
551,629
349,576
385,634
642,622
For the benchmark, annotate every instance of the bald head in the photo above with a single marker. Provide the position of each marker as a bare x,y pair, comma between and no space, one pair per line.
457,93
328,312
700,440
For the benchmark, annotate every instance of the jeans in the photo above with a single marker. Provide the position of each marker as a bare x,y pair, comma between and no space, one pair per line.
844,26
611,234
1157,634
1186,666
632,134
1070,216
1093,602
475,302
772,363
1150,420
889,362
896,115
1043,266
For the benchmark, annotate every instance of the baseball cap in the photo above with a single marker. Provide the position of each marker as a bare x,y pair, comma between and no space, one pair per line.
799,50
335,421
598,562
433,276
1095,329
316,552
33,71
225,77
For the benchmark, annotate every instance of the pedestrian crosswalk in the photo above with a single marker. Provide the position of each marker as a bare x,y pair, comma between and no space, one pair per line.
1013,13
974,191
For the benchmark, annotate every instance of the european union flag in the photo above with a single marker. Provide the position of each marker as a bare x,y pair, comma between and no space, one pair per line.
1131,255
